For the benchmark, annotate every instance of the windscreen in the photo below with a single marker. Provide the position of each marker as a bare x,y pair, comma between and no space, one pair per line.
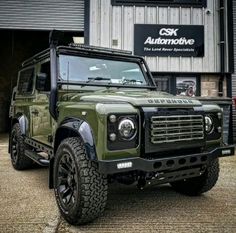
94,70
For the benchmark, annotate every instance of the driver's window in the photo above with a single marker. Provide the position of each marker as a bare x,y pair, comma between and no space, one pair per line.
45,72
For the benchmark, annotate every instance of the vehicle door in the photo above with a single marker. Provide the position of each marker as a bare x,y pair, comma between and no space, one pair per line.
24,96
41,119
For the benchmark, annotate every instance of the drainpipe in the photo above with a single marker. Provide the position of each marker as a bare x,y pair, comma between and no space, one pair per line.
222,47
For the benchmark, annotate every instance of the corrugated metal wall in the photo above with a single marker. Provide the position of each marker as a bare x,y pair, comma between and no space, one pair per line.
42,14
109,23
234,75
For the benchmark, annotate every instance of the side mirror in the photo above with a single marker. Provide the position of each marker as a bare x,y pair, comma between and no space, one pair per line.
41,82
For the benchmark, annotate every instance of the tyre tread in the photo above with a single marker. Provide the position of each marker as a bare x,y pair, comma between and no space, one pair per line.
198,185
23,162
93,185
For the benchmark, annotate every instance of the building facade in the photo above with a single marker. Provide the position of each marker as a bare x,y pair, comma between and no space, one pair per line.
115,24
186,43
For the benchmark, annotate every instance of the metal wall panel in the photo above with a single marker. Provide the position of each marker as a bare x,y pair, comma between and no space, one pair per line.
65,15
234,75
108,23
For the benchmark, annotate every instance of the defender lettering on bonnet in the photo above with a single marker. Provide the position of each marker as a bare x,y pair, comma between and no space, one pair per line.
169,101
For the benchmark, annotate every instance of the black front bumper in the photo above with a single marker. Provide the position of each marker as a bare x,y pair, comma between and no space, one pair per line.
163,164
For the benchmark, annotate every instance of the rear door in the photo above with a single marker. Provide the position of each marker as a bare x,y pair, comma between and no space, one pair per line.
25,95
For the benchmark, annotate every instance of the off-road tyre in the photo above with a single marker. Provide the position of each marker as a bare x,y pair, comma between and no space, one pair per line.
198,185
17,150
78,178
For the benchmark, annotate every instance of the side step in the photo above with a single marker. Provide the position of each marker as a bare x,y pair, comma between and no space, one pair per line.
37,158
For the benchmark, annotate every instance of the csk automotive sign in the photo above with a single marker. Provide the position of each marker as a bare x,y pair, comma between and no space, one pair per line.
169,40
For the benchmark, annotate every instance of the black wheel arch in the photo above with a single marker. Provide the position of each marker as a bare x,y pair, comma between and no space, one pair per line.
74,127
23,122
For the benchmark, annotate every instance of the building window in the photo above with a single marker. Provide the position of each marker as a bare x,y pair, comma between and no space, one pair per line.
184,3
180,85
163,83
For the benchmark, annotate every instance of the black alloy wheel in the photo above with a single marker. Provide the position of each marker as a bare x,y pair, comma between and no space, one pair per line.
67,182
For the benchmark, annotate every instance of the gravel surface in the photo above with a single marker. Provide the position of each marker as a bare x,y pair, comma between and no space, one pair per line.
27,205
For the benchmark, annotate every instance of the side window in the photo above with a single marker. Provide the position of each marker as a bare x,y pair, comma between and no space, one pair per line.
43,82
26,79
163,82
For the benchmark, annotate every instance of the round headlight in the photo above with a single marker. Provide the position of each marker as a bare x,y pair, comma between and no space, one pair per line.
208,124
127,129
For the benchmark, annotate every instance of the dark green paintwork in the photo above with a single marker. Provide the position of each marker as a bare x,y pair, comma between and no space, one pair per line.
93,104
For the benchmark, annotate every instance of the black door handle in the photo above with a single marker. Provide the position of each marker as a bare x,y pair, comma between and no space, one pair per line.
35,112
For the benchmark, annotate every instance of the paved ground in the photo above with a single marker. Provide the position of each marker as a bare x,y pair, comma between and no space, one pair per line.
27,205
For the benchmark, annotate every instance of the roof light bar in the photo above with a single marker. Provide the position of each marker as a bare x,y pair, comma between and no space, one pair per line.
100,49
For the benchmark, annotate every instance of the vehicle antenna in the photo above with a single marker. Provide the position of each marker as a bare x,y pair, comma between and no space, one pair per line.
68,72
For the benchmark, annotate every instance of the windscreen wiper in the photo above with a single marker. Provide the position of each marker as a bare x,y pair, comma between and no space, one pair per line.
91,79
128,81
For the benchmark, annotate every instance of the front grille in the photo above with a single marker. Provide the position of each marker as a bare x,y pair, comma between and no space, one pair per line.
178,128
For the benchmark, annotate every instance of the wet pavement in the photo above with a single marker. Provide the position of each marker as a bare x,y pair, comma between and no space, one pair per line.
27,205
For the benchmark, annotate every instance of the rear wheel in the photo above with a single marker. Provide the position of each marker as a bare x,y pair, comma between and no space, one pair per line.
198,185
17,150
80,190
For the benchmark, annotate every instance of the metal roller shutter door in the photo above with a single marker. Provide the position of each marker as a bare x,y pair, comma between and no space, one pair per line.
66,15
234,75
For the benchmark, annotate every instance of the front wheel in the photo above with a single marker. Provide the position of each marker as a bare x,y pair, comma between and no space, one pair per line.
198,185
80,190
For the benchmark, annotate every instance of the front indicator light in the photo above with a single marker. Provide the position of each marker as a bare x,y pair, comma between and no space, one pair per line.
219,129
112,137
124,165
112,118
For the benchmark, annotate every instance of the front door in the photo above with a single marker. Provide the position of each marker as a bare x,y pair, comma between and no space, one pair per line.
41,118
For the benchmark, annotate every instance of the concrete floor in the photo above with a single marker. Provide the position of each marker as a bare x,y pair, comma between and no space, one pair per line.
27,205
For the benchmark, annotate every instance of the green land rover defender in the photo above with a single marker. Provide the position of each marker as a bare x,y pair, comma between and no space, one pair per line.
94,116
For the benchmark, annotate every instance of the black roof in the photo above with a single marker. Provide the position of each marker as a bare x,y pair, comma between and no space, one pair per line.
82,48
